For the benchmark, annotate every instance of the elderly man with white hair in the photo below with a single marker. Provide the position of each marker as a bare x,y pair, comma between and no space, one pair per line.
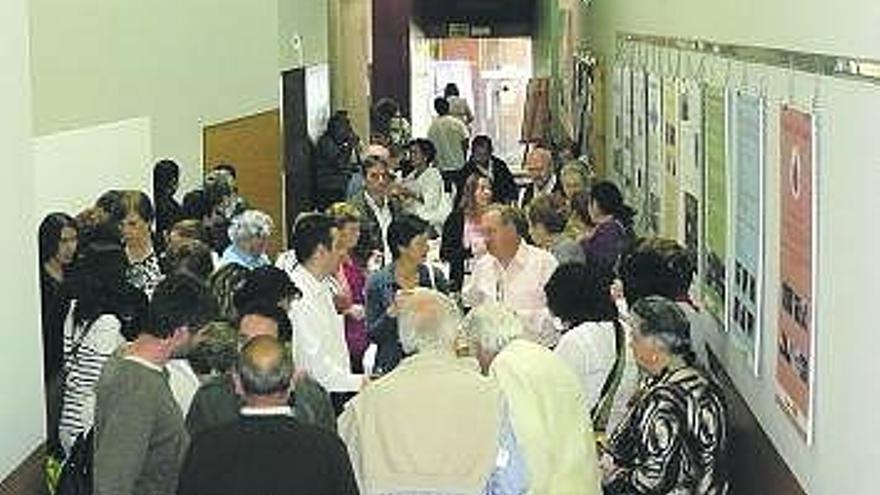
545,403
249,233
433,425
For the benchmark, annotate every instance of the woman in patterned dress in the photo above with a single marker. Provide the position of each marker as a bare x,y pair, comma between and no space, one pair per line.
674,438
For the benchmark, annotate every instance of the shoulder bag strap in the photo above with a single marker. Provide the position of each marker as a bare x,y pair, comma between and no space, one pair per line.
602,409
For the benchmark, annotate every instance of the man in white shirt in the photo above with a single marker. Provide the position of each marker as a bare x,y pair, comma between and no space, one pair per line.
513,273
450,136
318,329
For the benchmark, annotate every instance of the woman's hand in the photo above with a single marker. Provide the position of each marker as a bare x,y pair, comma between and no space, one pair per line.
356,311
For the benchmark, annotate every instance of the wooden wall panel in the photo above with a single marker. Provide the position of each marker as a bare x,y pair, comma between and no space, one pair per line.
253,145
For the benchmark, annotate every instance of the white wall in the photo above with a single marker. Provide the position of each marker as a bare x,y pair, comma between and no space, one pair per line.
846,448
21,409
183,65
93,155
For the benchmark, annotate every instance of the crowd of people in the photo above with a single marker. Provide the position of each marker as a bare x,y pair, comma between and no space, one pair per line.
435,328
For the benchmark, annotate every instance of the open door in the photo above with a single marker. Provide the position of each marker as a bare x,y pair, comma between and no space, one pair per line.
253,145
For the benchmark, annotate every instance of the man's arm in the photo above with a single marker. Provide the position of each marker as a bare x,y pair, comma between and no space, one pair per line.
307,316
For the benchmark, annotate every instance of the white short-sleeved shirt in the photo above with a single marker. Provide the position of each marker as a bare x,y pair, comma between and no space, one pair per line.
520,286
590,350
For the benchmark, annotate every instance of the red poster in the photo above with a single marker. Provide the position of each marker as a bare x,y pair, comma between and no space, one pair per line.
795,363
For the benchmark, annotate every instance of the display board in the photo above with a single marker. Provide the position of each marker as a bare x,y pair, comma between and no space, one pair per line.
747,286
795,366
671,210
655,163
715,202
691,162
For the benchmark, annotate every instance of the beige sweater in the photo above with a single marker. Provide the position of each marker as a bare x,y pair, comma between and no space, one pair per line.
430,425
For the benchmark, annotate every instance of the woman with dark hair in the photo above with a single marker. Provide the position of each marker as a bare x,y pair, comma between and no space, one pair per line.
58,241
422,191
674,438
614,224
663,267
266,285
104,312
547,214
458,106
166,175
462,241
144,271
593,343
408,240
579,224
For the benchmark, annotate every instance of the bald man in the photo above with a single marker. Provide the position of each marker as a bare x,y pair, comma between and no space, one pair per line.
267,450
539,169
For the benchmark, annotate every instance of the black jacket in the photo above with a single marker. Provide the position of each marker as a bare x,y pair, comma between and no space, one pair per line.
267,455
452,249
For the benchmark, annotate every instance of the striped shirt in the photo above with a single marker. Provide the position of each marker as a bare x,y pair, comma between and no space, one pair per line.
96,342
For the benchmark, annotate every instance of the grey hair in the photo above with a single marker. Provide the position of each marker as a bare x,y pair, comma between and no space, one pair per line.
250,223
262,380
579,168
493,325
428,320
664,320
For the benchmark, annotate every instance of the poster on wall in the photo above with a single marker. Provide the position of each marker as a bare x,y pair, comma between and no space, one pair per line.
671,214
640,143
690,162
746,309
654,166
795,361
627,179
617,101
714,286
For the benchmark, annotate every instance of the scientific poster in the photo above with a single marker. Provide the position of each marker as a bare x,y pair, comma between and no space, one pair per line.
715,203
640,139
617,101
627,179
745,313
690,163
655,164
795,363
671,214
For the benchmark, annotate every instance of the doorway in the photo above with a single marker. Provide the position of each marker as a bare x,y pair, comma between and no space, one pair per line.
492,74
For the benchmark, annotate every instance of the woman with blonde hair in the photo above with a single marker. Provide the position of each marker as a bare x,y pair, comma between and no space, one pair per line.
350,281
575,178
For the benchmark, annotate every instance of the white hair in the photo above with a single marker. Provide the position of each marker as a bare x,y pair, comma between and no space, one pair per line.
492,326
428,320
248,224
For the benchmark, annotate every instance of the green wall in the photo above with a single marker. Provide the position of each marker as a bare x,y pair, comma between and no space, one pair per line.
21,409
309,20
183,65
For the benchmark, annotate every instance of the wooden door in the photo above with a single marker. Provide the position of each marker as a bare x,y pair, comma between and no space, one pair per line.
253,145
